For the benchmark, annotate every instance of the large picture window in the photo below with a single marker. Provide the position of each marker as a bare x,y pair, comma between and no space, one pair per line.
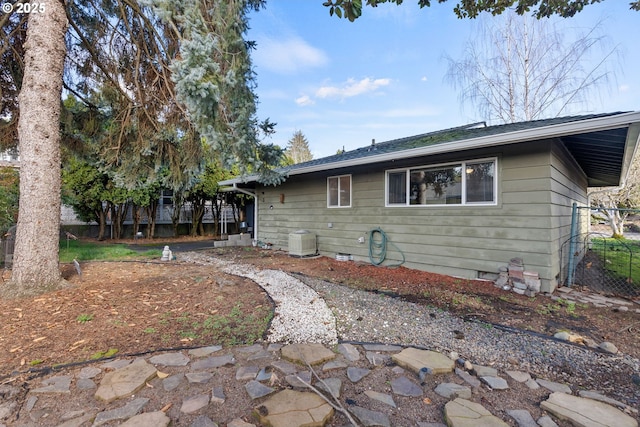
339,191
462,183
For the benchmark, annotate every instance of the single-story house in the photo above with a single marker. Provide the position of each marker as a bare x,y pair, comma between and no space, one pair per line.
460,201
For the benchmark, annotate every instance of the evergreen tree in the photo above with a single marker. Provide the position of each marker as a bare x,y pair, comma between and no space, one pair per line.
298,149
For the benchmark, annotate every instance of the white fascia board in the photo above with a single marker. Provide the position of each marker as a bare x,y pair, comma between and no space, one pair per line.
552,131
630,151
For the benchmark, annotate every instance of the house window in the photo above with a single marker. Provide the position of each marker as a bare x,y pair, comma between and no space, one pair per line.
339,191
463,183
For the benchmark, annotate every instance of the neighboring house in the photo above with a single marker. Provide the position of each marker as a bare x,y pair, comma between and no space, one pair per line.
9,158
461,201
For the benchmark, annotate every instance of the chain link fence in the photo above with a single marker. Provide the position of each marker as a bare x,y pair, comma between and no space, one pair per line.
594,259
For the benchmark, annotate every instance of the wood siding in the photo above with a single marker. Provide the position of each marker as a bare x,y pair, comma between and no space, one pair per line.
537,183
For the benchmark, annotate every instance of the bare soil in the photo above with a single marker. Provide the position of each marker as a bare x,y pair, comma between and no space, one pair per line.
141,306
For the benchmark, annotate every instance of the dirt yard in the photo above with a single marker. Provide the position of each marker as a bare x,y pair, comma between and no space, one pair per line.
141,306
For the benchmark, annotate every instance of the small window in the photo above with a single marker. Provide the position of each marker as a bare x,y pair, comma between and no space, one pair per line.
480,182
464,183
339,191
167,197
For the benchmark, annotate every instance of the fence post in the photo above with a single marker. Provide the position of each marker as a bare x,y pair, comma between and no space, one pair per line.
572,243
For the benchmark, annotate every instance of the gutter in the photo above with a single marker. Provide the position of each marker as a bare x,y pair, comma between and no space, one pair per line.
631,120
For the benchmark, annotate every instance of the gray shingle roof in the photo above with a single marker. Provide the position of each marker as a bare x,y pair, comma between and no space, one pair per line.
602,144
460,133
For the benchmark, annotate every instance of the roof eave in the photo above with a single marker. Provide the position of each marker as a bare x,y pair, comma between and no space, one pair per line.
551,131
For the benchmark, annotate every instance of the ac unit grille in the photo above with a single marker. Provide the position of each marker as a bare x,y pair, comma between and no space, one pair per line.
302,243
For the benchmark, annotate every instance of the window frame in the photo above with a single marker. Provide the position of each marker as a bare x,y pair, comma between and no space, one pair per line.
338,178
407,172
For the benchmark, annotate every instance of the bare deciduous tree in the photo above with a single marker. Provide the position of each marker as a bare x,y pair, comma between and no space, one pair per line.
614,203
520,69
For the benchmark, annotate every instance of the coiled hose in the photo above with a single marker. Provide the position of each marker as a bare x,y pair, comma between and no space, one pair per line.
378,248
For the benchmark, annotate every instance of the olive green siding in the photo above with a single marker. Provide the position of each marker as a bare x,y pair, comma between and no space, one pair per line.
537,183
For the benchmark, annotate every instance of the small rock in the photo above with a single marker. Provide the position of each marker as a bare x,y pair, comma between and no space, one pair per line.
546,421
550,385
371,418
519,376
495,383
156,419
403,386
199,377
217,395
381,397
485,371
203,421
356,374
298,380
522,417
170,359
194,404
452,390
257,390
608,347
349,351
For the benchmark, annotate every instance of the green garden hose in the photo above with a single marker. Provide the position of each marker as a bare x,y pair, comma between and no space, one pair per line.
378,248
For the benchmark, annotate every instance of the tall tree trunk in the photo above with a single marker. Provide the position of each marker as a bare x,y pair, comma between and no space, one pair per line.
102,224
151,218
136,214
35,265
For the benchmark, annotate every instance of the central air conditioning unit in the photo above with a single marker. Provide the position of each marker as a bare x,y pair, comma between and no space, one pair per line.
302,243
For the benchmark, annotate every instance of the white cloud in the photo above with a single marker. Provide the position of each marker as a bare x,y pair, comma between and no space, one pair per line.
424,79
352,88
304,100
287,56
624,88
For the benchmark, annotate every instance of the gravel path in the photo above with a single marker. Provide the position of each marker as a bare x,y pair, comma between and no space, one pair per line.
325,312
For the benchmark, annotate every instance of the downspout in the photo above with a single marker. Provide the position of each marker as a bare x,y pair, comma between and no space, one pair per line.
255,207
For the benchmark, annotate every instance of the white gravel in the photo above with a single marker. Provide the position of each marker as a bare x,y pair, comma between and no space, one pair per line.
301,315
311,310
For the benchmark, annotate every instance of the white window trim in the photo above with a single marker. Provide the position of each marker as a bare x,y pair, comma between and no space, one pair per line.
464,203
339,206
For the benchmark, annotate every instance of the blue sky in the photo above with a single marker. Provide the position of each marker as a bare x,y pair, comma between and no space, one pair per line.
382,77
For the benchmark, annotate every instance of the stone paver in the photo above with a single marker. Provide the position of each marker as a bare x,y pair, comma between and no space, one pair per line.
125,381
122,413
371,418
264,378
387,399
464,413
453,390
149,419
59,384
522,417
293,408
312,354
403,386
170,359
415,359
586,412
553,386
